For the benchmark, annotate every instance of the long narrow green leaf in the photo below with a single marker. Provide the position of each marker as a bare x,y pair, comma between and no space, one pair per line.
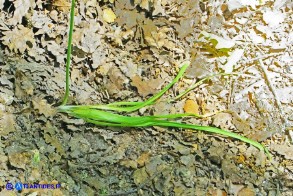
104,118
68,58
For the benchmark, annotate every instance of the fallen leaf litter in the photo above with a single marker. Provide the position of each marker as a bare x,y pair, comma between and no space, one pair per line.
151,43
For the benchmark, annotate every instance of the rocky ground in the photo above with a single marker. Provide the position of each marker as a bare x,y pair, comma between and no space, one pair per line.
127,51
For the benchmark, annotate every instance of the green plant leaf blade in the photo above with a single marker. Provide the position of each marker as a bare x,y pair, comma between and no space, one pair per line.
105,118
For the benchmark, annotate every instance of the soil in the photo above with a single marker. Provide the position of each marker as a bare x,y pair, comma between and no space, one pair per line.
127,51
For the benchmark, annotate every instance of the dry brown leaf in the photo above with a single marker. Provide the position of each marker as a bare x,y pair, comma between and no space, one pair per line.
246,192
140,176
158,8
148,27
56,50
216,192
191,107
49,136
7,123
99,57
62,5
88,38
18,38
143,158
6,96
75,75
44,25
283,149
145,4
198,68
223,120
43,107
21,9
154,5
39,20
185,27
24,86
129,18
129,163
20,159
235,188
37,53
230,170
146,88
116,36
116,77
157,39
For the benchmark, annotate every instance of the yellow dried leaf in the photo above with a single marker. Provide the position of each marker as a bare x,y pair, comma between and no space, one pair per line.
108,15
143,158
191,107
129,163
62,5
246,192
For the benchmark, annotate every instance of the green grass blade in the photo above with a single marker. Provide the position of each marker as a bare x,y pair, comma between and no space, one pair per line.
217,131
105,118
68,58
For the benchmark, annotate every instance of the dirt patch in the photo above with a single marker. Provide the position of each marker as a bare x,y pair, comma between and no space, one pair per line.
127,51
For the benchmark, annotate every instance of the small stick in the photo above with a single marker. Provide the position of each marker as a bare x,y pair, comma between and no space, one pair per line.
272,89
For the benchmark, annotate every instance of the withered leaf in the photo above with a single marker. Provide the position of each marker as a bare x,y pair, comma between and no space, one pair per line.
185,27
143,158
145,4
191,107
146,88
50,137
56,50
62,5
21,9
116,77
246,192
283,149
148,27
140,176
20,159
108,15
43,107
7,123
129,18
18,38
223,120
88,37
124,4
23,85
